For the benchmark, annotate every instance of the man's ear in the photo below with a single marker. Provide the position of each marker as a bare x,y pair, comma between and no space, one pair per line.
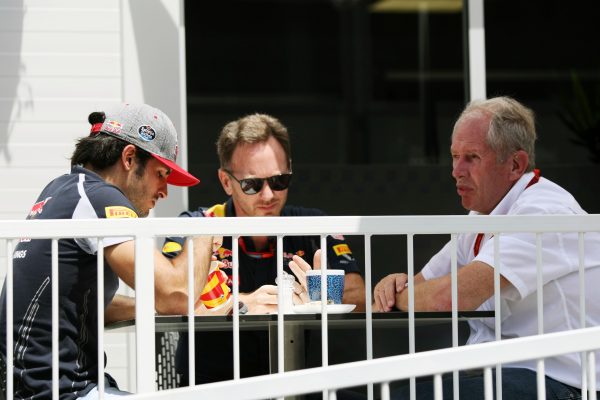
519,164
128,156
226,181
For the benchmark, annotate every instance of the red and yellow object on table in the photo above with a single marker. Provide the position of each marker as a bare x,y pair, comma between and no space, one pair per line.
216,293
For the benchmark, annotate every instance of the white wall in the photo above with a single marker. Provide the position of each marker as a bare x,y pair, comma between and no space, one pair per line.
62,59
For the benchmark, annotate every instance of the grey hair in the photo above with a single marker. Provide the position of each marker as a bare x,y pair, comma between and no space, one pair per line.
512,126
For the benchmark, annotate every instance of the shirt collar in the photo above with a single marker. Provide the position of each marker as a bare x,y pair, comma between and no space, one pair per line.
511,197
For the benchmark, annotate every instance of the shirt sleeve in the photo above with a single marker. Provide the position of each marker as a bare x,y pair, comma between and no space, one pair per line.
339,255
438,265
518,251
102,202
174,244
518,260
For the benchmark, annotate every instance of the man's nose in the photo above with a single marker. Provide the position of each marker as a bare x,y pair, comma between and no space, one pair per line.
163,191
458,168
266,192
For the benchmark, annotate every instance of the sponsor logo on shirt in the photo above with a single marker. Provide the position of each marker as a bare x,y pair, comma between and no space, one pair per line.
341,249
38,208
171,247
223,253
217,210
20,254
119,212
290,256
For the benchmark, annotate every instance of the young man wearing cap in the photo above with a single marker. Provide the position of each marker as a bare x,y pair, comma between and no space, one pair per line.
119,171
255,158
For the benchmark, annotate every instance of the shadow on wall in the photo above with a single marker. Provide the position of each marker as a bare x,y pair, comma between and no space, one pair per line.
159,66
11,37
155,32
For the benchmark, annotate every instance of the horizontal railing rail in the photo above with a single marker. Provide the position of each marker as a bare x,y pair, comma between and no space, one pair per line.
359,225
145,232
434,362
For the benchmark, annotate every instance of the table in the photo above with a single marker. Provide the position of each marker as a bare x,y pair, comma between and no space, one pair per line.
295,325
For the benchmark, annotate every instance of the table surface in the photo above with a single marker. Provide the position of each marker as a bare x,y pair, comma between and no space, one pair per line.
264,321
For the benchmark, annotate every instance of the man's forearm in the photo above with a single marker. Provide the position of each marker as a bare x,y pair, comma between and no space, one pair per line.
354,291
121,308
424,295
203,250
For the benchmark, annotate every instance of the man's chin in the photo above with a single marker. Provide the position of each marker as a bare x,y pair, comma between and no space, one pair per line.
267,212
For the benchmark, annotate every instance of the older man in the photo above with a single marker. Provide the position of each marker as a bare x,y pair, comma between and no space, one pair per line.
493,161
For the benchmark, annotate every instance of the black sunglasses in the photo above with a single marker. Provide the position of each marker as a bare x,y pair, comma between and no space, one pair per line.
255,185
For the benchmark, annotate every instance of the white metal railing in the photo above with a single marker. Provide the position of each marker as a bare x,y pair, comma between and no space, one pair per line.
146,230
387,369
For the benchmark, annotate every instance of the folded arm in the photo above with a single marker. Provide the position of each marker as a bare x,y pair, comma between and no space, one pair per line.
475,286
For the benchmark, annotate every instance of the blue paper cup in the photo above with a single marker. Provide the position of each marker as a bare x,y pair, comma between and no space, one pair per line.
335,285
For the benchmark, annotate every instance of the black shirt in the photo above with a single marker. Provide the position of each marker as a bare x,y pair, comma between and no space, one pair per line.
257,268
80,194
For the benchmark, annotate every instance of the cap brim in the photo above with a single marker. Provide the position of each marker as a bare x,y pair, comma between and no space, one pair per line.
178,176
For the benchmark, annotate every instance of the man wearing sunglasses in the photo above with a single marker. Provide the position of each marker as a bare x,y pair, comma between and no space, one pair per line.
256,172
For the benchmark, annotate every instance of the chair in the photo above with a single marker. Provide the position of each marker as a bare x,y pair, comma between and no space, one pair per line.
166,346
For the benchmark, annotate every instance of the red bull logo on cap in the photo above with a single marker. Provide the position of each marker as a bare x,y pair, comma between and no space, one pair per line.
113,127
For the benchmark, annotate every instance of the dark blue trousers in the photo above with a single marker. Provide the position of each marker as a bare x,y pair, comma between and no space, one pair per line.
517,384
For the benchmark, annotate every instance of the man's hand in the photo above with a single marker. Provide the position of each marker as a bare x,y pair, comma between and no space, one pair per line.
386,290
217,243
262,301
225,310
299,268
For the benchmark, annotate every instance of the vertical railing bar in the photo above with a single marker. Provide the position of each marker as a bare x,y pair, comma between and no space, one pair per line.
410,260
100,310
541,374
454,291
144,313
487,383
280,309
369,308
191,313
497,309
438,392
541,379
55,324
476,34
591,357
583,355
540,283
385,391
10,245
236,310
324,327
